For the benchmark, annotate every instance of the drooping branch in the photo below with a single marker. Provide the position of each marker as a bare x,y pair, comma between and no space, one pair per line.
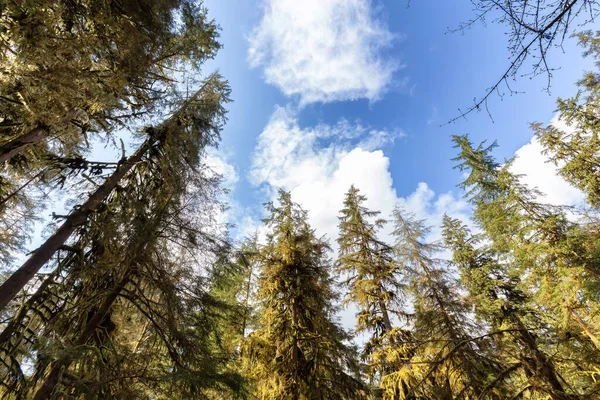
20,278
17,145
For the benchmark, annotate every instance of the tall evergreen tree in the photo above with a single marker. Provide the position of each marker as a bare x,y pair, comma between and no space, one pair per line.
373,282
124,267
71,67
451,356
233,282
576,150
73,71
534,241
194,126
298,352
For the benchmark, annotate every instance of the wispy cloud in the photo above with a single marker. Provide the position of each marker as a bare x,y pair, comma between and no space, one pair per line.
323,50
434,115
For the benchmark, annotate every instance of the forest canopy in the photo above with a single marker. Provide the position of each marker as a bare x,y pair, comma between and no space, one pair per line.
142,291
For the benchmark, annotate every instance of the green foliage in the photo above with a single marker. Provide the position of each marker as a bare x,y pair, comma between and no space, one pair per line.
147,300
374,283
576,150
450,355
297,351
78,66
233,283
97,325
73,71
529,280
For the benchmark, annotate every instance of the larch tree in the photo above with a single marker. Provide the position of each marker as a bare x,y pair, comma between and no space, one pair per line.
297,351
374,282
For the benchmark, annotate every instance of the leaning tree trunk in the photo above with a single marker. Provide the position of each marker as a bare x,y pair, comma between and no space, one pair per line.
542,365
12,148
59,366
131,270
42,254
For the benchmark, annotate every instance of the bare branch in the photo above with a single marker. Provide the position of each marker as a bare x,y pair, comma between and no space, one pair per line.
534,29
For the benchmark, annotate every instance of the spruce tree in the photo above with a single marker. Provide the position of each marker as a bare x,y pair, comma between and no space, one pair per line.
450,357
298,351
534,242
76,71
574,150
373,282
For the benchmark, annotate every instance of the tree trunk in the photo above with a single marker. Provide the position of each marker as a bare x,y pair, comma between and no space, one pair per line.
18,318
57,368
295,352
386,316
17,145
42,254
544,366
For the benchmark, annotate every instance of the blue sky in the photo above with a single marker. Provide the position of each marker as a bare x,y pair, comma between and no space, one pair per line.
333,92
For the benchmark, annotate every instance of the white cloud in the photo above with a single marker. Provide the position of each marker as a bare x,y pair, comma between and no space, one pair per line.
323,50
537,172
293,158
318,164
318,175
218,164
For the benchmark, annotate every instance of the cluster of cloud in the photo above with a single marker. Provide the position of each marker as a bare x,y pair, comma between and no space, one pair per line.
332,50
218,163
538,172
323,50
294,158
318,165
334,54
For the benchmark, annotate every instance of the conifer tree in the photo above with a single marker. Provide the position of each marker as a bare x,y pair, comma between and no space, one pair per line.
373,283
576,150
97,324
451,357
233,282
298,352
74,71
73,67
194,126
534,241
